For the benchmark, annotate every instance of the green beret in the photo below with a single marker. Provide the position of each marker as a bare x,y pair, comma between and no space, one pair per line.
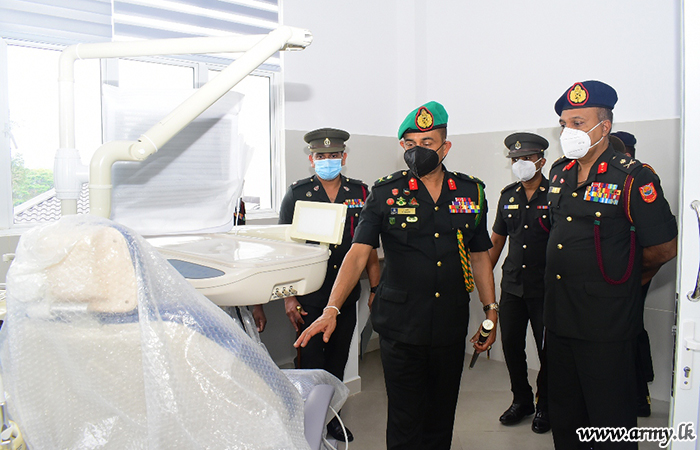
428,117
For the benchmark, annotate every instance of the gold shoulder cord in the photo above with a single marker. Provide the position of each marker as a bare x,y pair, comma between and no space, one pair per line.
464,255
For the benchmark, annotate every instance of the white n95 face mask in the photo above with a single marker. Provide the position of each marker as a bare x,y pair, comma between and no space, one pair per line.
524,170
576,143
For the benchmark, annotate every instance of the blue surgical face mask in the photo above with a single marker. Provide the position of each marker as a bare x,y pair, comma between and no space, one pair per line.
328,169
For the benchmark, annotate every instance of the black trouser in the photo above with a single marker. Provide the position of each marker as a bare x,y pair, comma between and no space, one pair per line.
515,313
422,385
333,355
591,384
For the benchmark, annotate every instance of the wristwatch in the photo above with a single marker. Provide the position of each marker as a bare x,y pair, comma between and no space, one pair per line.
493,306
373,289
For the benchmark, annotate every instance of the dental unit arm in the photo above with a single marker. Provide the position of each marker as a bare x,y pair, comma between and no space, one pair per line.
70,173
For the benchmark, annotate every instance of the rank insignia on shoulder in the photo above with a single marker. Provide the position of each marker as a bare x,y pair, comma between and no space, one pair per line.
464,205
354,203
602,193
511,206
554,190
308,194
648,192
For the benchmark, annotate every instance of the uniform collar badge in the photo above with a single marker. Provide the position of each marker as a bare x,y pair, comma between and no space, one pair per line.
603,167
451,184
570,165
413,184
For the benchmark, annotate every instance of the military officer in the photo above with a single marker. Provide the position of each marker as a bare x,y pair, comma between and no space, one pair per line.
628,140
523,219
327,157
612,229
433,230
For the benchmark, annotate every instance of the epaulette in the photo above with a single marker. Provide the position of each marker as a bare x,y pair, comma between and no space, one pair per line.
560,160
468,177
301,182
625,163
354,181
509,186
393,177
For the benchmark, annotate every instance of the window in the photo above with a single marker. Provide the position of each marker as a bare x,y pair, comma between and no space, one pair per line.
33,105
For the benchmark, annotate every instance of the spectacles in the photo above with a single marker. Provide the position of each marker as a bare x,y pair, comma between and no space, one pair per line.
335,155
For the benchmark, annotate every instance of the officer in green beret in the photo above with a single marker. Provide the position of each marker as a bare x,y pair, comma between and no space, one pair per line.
327,157
432,223
612,229
522,219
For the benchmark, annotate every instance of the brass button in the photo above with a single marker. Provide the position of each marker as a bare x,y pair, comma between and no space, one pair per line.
466,226
439,263
437,294
403,173
437,235
524,245
549,203
527,206
403,225
597,214
524,266
510,215
558,277
559,246
526,227
335,246
544,216
436,208
355,214
569,219
574,194
335,266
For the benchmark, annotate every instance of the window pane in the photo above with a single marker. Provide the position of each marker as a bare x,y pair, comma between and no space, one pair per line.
33,104
254,128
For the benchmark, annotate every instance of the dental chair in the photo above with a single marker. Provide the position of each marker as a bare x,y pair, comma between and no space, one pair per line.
107,346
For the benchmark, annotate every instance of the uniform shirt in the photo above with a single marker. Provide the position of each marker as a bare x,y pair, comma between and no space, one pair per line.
422,298
579,302
351,192
526,223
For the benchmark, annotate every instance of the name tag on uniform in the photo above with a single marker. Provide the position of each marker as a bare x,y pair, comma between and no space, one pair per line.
510,206
464,205
406,211
602,193
354,202
554,190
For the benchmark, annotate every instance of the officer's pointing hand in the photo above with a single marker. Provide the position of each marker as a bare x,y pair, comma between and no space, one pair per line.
324,324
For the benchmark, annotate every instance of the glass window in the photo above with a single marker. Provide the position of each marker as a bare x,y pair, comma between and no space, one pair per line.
33,106
254,126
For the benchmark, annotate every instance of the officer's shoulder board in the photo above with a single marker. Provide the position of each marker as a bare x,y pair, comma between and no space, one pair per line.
393,177
354,181
627,164
463,176
511,185
561,160
301,182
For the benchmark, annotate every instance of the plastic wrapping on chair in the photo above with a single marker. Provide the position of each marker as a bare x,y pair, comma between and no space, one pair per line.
106,346
306,379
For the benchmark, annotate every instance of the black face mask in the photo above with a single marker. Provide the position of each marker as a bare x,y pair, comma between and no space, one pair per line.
421,160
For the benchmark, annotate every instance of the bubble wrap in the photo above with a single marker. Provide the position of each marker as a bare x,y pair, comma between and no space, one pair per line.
106,346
